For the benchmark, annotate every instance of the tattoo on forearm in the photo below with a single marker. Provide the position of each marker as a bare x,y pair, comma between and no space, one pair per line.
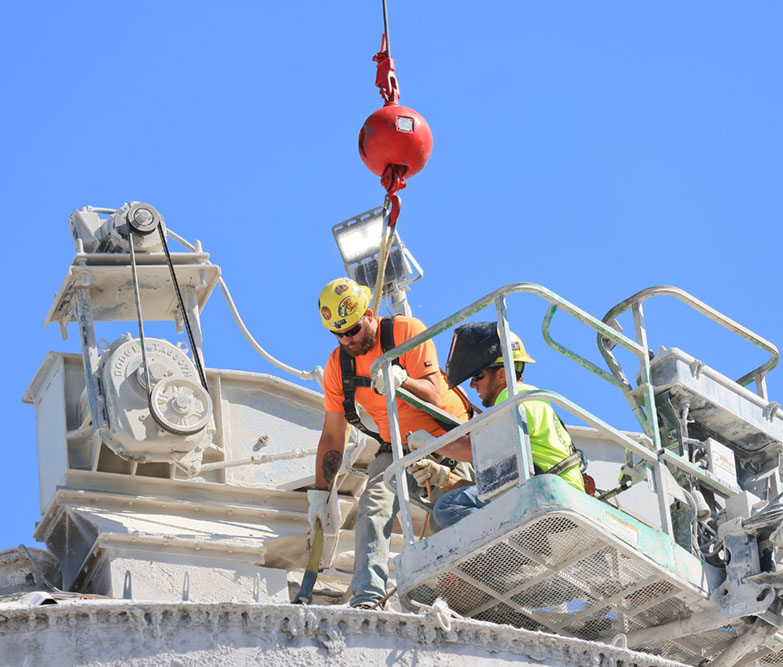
330,465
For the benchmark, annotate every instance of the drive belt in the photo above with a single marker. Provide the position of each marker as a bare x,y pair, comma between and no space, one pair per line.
142,220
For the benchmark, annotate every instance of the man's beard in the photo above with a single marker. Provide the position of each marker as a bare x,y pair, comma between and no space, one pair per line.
363,346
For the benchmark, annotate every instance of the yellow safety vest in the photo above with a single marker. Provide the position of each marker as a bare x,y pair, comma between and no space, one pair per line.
549,441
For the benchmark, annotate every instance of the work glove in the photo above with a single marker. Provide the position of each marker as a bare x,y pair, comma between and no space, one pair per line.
398,376
319,508
419,439
427,469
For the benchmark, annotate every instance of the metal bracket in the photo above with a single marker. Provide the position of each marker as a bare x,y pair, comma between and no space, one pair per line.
740,594
770,409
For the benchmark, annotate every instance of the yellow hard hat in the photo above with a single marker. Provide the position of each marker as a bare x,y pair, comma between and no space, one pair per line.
343,302
517,351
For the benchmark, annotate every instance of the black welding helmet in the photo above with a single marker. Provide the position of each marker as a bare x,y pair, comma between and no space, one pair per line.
474,347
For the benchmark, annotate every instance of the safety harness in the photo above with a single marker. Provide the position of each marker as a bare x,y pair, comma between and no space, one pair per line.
564,465
575,458
351,381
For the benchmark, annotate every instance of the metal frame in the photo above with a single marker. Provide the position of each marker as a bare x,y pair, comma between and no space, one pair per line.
641,399
498,299
740,596
634,302
398,466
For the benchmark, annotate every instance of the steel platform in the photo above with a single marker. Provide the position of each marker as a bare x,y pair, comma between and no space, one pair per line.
544,556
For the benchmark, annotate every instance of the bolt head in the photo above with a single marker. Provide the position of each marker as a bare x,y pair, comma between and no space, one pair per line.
143,216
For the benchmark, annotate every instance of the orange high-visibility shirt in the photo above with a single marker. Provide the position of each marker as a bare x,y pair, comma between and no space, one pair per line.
418,362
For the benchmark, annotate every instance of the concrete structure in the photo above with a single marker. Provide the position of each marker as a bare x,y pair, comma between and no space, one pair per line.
191,634
173,498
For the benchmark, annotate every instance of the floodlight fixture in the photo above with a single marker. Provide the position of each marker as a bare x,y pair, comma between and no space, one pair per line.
358,240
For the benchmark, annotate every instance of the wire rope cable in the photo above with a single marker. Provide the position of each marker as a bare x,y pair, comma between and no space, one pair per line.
386,28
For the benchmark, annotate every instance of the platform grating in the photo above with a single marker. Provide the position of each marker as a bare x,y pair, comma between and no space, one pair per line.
772,658
696,649
765,656
557,574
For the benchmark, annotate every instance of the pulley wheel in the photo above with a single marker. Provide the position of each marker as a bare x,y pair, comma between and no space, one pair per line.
143,218
180,406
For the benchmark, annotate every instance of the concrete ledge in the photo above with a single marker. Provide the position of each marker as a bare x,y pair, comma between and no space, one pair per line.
137,633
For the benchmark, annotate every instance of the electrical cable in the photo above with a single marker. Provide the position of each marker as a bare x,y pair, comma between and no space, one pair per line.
42,576
771,502
694,523
315,374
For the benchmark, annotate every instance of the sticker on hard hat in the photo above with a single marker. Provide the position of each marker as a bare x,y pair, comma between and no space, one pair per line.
515,345
339,289
347,306
326,313
338,324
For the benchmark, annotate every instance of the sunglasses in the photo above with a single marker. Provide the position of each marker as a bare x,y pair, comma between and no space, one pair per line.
478,377
350,333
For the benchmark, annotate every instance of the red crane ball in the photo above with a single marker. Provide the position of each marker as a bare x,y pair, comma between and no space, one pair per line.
395,134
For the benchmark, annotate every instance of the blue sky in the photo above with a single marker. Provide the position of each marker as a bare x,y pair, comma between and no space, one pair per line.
596,148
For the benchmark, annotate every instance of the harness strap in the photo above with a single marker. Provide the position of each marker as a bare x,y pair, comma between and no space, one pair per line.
351,381
387,336
565,464
575,458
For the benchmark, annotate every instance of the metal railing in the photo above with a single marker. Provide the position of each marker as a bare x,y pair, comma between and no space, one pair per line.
634,302
609,333
498,298
476,424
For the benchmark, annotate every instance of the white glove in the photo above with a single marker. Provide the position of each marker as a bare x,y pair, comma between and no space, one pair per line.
319,509
427,469
419,439
398,376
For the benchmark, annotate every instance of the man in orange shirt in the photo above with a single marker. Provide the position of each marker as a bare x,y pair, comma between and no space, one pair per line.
344,307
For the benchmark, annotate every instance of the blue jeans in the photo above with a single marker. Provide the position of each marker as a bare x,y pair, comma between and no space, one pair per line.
457,504
377,507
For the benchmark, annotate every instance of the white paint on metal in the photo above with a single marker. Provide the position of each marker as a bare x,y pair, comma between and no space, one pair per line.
140,518
50,410
111,288
134,433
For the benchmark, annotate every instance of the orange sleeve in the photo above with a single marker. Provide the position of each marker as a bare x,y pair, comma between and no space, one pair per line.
421,360
333,389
